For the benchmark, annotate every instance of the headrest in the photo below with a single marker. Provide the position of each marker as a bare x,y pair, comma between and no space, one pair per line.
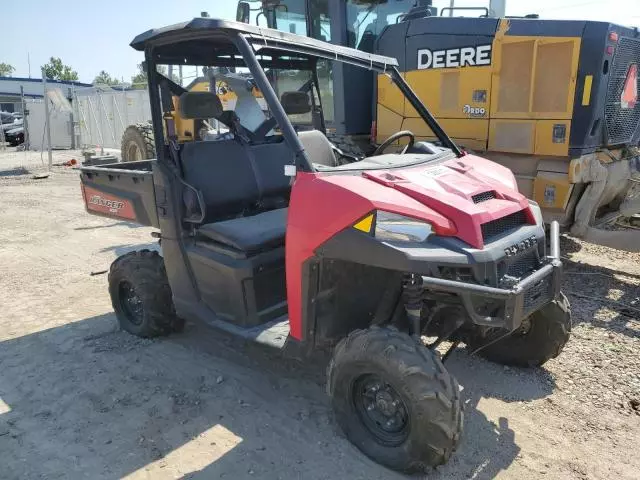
295,102
200,105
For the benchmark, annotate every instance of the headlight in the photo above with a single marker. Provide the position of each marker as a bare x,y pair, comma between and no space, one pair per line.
391,227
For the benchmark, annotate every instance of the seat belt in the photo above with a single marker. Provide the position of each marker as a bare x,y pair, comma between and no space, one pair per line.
254,167
169,122
242,137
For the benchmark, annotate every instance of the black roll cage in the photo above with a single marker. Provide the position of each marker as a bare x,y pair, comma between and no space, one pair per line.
219,46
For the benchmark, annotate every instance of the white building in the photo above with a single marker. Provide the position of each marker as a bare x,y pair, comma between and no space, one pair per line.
10,90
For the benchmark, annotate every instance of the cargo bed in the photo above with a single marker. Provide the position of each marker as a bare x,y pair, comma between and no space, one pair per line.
122,191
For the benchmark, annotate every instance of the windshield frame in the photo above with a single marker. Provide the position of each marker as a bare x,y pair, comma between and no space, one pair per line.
431,159
396,77
249,45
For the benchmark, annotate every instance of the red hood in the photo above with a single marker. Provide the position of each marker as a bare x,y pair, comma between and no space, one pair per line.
448,189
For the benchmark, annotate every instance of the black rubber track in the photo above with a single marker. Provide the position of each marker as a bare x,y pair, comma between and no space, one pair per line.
140,134
144,270
548,333
430,393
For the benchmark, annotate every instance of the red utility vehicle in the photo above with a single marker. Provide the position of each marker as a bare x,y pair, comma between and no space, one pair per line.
272,233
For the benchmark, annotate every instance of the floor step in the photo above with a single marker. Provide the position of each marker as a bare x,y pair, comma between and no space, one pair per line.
273,334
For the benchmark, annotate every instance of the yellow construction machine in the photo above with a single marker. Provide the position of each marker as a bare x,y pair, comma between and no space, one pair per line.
137,140
556,101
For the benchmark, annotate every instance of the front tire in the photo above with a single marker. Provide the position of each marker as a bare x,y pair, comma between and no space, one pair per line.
395,400
542,337
141,295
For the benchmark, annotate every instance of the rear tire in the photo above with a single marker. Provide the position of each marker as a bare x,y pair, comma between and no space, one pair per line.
138,143
141,295
413,420
543,338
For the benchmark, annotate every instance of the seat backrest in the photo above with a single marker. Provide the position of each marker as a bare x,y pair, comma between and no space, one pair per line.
368,40
318,148
270,160
222,171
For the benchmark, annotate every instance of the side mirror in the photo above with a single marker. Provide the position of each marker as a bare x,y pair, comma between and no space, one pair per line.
295,102
243,12
200,105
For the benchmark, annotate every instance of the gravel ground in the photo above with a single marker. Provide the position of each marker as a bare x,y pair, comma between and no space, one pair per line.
81,399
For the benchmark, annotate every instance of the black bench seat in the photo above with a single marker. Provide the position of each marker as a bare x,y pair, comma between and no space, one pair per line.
249,234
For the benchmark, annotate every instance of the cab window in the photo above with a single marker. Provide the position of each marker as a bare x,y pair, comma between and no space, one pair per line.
367,19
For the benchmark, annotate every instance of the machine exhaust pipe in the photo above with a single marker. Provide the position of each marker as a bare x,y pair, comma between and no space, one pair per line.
555,240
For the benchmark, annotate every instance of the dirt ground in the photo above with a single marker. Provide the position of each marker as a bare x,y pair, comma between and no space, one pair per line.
81,399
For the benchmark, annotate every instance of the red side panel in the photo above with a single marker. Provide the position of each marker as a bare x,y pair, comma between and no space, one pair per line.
108,205
320,207
317,211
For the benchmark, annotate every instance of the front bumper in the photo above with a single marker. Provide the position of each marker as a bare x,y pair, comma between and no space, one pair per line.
517,302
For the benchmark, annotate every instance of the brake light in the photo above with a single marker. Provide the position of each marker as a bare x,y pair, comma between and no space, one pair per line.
613,37
610,50
629,96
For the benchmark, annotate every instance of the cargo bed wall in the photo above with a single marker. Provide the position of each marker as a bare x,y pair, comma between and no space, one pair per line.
122,191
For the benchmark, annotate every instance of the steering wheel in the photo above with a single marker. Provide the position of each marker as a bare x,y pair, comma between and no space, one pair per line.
395,137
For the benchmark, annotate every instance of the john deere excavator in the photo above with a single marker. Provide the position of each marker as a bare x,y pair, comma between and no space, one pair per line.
556,101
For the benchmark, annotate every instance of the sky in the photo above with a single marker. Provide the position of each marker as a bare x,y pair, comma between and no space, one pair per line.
91,36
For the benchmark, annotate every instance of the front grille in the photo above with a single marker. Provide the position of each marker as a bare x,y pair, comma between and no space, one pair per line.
501,225
538,295
522,265
621,123
483,197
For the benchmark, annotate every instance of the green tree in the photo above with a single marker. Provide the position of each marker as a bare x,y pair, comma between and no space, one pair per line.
103,78
6,70
139,80
56,70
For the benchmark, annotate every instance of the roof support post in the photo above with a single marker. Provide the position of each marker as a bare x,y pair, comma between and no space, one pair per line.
290,135
424,112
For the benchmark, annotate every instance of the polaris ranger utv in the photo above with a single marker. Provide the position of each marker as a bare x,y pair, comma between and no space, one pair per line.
273,234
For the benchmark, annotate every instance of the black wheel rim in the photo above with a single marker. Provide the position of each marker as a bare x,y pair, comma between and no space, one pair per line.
381,410
131,303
